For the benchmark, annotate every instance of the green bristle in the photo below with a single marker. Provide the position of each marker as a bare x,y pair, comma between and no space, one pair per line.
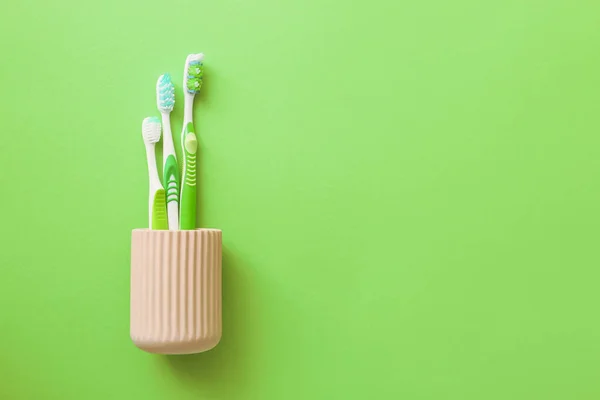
195,73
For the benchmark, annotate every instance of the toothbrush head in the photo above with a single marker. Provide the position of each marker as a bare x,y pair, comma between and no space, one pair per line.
165,93
151,130
194,70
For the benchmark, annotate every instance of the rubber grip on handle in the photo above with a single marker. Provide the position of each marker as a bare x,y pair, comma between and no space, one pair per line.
159,211
171,179
187,202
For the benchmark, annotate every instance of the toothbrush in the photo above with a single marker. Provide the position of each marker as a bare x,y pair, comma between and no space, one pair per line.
165,100
157,211
192,82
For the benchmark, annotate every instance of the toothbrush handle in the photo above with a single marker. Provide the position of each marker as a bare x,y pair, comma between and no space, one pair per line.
171,183
159,210
187,205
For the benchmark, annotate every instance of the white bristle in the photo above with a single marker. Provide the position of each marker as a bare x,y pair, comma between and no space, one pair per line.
165,93
195,57
151,128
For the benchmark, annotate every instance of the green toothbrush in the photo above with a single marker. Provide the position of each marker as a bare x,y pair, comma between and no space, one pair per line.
157,218
165,100
192,82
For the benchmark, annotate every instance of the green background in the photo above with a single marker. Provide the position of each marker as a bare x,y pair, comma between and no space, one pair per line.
408,193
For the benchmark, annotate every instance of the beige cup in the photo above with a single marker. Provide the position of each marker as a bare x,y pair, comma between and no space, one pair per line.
175,290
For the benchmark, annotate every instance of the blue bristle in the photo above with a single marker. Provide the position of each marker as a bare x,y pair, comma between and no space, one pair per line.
166,92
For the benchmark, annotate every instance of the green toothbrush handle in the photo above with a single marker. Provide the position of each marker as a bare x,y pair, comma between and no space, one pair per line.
159,211
187,202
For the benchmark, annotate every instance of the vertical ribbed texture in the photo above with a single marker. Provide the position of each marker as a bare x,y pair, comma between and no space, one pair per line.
176,290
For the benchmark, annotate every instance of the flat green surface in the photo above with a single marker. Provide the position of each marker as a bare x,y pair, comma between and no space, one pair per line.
408,190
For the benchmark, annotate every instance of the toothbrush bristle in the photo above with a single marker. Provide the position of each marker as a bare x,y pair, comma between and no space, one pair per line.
165,93
194,73
151,129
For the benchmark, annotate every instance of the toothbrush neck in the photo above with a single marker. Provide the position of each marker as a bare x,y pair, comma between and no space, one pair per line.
188,107
151,154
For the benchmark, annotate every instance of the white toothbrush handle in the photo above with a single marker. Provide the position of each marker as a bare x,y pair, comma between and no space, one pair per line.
156,196
170,173
173,213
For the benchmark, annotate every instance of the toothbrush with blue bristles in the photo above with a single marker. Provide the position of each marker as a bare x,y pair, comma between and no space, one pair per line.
165,101
192,82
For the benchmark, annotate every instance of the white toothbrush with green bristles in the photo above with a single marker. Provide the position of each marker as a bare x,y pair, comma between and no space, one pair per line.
165,100
192,82
157,211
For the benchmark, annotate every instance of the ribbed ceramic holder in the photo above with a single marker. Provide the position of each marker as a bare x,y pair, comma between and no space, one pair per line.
175,290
